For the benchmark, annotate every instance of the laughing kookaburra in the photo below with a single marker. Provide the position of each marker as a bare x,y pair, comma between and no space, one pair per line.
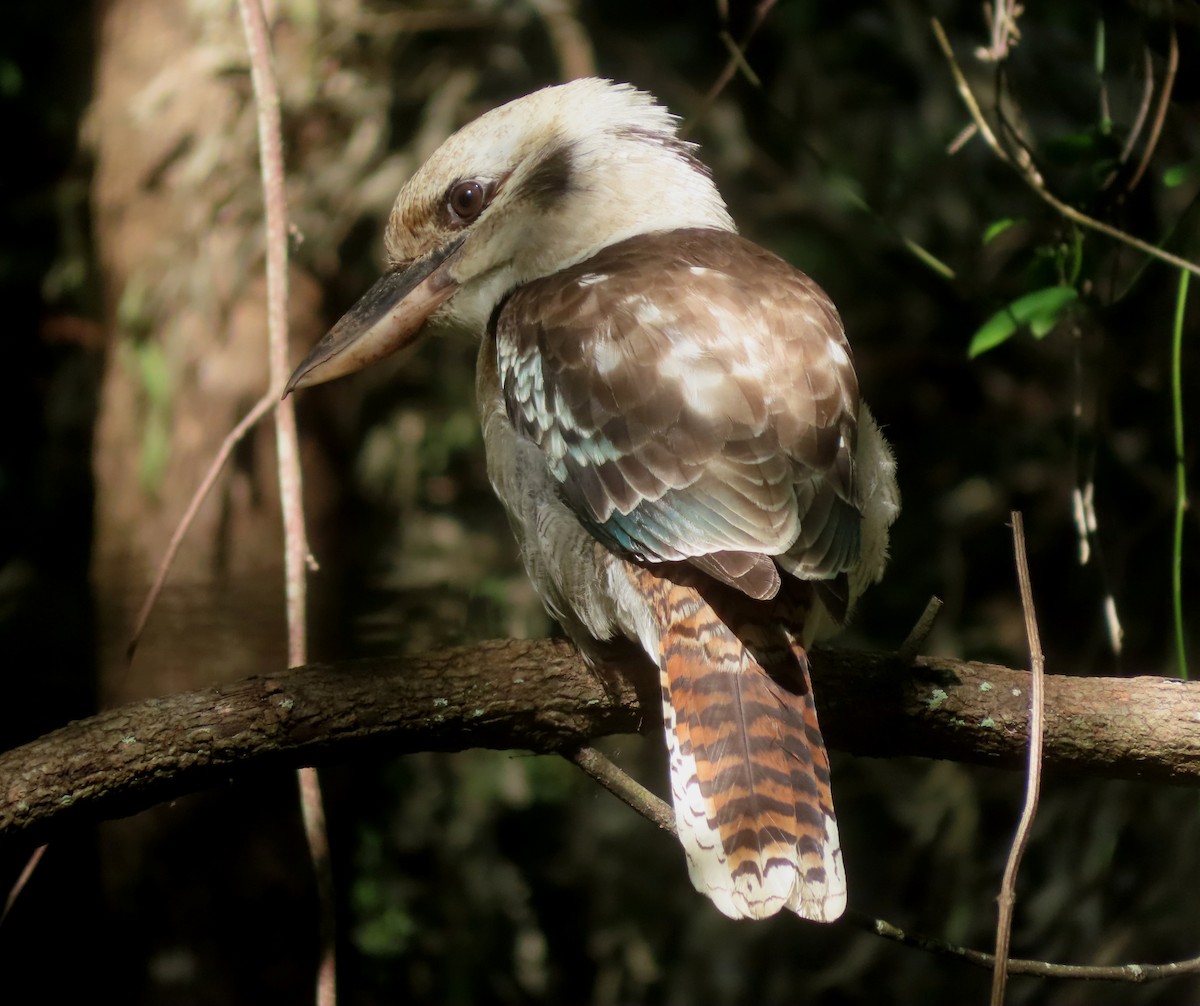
672,421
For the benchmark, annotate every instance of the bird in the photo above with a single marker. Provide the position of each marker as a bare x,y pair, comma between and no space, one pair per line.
673,423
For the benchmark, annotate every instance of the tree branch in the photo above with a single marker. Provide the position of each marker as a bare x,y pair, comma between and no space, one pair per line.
540,696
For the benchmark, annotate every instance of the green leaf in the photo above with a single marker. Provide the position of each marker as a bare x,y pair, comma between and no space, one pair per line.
1072,148
1039,310
997,227
1042,325
1074,258
997,329
1175,176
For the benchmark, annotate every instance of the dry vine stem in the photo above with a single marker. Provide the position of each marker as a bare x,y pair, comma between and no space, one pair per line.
1160,116
270,145
736,61
235,436
19,884
1033,774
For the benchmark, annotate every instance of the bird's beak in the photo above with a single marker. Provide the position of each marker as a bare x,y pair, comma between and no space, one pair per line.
388,317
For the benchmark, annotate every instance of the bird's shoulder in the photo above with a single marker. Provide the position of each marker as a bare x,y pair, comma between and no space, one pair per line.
699,334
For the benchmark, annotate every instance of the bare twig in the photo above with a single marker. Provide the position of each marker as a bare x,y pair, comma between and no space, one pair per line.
624,787
1181,486
920,631
261,408
275,202
19,884
737,59
1164,101
737,56
317,836
1029,173
1004,30
968,96
1033,776
296,552
1134,974
1139,120
964,136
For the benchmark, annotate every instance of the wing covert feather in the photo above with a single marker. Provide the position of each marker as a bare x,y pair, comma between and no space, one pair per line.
695,399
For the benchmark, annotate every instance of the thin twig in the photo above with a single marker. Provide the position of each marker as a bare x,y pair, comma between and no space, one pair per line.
737,59
920,631
19,884
624,787
1181,490
1004,30
317,837
968,96
1164,101
1033,179
964,136
737,56
1033,777
1143,112
260,409
1022,152
1133,974
275,204
296,552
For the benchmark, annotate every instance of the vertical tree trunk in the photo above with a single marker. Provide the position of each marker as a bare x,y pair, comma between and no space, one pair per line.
178,234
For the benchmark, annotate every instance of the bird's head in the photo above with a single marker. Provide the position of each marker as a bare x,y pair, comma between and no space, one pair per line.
524,191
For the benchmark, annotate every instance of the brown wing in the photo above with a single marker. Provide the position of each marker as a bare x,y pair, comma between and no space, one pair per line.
695,398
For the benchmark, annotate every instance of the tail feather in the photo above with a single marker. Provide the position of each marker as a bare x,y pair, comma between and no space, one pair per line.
749,770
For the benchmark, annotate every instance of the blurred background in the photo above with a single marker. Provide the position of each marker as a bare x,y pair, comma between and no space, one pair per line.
131,268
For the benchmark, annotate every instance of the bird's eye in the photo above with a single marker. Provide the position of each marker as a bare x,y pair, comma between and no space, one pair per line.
466,200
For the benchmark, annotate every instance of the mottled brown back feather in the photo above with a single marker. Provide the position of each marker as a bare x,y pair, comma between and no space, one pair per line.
696,400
